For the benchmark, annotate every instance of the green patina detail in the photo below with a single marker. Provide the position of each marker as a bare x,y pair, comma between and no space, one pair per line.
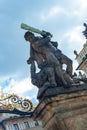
32,29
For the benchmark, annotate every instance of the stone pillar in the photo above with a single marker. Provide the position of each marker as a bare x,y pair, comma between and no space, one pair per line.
62,109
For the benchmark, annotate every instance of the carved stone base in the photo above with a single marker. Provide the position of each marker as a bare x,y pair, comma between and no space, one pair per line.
63,109
53,91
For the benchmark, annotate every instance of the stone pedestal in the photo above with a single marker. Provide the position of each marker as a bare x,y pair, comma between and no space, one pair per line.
63,109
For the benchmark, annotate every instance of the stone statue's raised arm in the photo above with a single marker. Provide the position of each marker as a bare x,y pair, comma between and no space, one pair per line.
35,30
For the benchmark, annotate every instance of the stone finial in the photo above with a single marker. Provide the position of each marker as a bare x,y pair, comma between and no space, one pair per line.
75,52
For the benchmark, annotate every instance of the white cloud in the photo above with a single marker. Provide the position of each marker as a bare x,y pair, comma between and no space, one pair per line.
79,8
82,3
74,39
74,34
18,87
52,12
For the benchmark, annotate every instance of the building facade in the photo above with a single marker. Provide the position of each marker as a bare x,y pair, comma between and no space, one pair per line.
20,123
81,58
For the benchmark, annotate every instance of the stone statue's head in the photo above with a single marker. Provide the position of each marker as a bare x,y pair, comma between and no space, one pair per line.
28,36
85,24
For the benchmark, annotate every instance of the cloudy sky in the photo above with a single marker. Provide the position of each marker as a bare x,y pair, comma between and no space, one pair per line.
63,18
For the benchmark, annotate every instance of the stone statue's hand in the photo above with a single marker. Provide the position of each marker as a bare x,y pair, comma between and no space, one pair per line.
46,34
30,60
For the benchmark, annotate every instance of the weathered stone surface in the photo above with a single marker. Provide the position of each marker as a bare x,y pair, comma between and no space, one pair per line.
63,111
77,123
53,91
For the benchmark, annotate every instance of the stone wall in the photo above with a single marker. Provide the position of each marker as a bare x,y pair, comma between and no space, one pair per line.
67,111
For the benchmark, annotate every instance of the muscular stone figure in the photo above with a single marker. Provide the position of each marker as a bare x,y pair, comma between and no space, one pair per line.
43,47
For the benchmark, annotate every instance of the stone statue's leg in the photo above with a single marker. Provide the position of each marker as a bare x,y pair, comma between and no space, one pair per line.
68,78
51,76
59,73
51,59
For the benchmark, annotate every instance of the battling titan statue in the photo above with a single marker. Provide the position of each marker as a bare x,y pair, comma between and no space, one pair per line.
49,60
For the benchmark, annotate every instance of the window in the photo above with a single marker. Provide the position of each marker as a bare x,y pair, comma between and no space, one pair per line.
26,124
36,123
15,126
